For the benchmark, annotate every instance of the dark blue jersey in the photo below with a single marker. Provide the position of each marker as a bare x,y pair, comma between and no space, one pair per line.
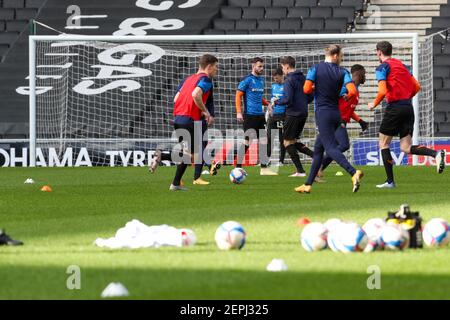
253,88
328,78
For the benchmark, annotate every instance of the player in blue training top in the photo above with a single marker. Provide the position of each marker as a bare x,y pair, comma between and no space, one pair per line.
326,80
251,91
276,114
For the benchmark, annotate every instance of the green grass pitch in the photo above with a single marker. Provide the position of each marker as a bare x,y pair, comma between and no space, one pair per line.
59,228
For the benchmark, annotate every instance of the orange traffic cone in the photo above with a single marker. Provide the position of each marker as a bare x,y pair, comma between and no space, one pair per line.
46,189
303,221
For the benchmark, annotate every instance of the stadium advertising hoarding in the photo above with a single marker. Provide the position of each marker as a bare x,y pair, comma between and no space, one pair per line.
365,152
84,155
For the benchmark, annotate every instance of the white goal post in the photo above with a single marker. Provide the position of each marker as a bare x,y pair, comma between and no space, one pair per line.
48,114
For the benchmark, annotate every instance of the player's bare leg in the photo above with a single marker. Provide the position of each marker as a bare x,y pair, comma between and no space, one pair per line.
156,160
319,178
356,180
215,166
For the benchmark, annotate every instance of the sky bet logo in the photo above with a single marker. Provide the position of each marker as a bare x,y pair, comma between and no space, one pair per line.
374,158
367,152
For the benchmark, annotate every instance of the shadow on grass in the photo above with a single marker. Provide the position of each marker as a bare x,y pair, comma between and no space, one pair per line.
27,282
117,195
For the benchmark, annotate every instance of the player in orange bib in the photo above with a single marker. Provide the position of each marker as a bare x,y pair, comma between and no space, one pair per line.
398,86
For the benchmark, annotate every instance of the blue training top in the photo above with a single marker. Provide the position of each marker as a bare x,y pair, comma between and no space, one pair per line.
295,100
253,88
328,78
278,92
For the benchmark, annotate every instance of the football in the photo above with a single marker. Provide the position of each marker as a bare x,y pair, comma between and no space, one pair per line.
394,237
373,228
188,237
238,175
314,237
332,224
230,235
436,233
333,240
352,238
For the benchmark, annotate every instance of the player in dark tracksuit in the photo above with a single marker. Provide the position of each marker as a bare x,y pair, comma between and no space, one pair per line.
347,109
296,102
326,80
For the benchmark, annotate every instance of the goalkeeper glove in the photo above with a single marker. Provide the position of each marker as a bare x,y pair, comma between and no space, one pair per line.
364,125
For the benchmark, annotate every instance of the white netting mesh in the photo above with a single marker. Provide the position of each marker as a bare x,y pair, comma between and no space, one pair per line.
426,98
104,100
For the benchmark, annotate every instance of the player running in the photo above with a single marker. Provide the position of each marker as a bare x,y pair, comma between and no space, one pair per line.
347,110
326,80
213,166
251,90
296,113
189,110
396,83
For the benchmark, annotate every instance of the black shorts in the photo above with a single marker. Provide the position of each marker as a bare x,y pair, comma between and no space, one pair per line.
293,127
190,129
398,120
256,123
276,122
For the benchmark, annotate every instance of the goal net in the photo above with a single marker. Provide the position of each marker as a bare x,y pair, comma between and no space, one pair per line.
113,96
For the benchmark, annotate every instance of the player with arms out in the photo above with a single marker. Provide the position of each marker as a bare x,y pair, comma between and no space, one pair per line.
326,80
347,108
189,110
251,91
396,83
